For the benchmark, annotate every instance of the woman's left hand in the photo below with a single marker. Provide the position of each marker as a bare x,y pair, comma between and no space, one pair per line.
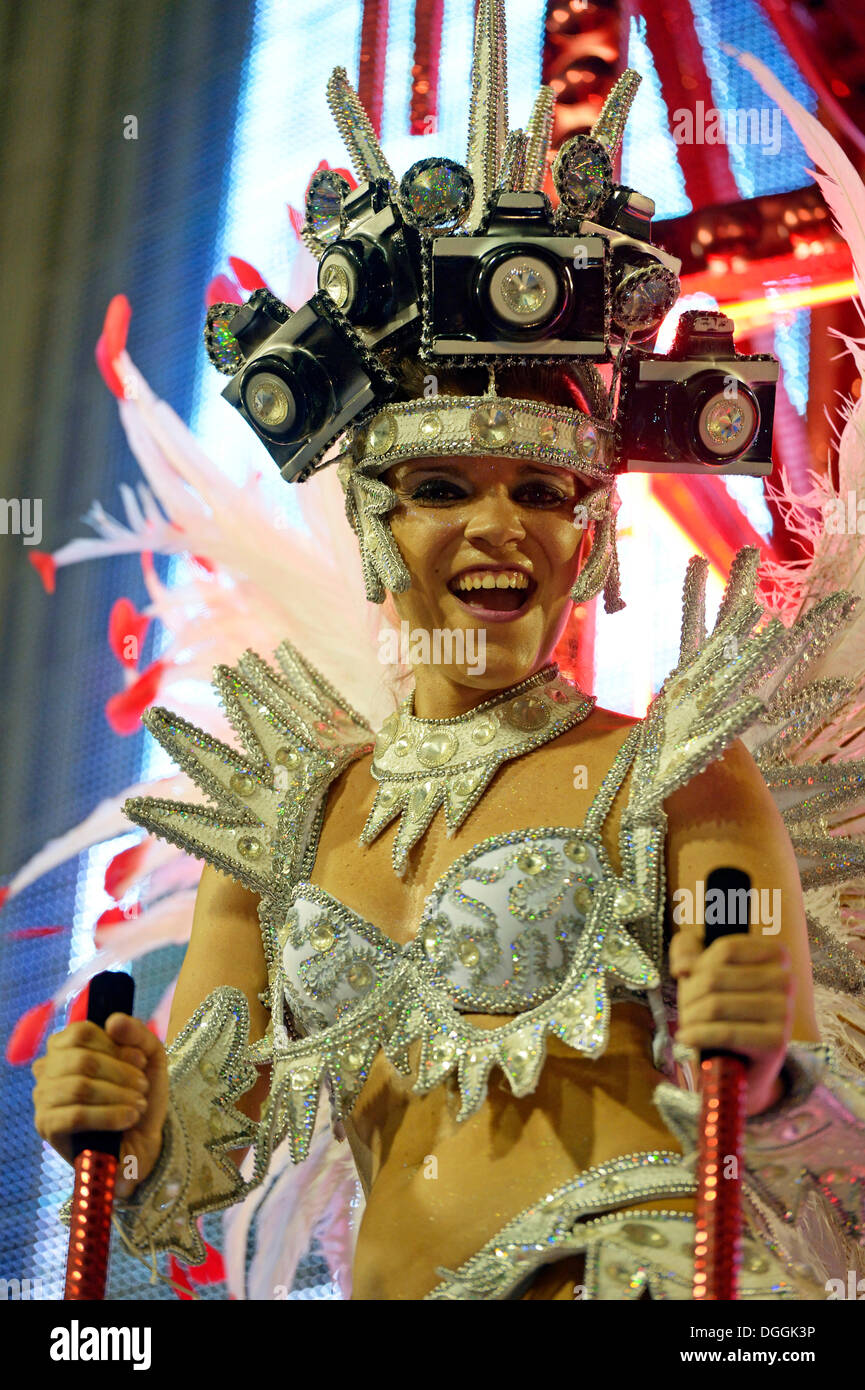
738,993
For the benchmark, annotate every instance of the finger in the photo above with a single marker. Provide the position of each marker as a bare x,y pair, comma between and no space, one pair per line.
737,979
770,1008
83,1034
82,1062
685,949
71,1119
75,1090
741,949
128,1031
737,1036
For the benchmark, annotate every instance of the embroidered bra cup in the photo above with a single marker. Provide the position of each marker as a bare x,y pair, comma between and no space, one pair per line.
499,930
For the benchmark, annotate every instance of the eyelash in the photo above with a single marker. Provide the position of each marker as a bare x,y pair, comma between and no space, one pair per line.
423,493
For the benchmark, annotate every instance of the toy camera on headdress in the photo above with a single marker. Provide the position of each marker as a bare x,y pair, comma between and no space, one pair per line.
700,408
518,288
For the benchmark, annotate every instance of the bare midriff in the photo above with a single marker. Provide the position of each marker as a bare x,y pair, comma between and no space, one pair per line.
437,1189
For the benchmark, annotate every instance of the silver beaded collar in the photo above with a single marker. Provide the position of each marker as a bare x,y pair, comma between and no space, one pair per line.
424,763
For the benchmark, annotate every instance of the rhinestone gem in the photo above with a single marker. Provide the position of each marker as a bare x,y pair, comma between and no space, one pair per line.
324,203
523,289
287,757
638,1233
387,795
576,851
724,421
302,1079
588,442
626,902
704,699
442,1050
437,192
321,936
352,1062
241,783
548,432
485,729
437,749
490,425
249,847
419,798
468,952
359,975
401,746
381,433
208,1070
335,281
528,712
468,783
530,862
430,426
430,941
582,898
582,173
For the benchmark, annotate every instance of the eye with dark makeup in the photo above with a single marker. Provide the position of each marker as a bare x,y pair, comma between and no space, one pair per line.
443,490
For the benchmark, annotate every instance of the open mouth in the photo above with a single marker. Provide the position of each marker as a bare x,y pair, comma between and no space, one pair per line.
486,591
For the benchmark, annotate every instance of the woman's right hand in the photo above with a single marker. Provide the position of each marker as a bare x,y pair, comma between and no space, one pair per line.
114,1078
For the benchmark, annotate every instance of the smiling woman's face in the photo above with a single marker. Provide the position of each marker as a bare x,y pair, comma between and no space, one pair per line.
491,545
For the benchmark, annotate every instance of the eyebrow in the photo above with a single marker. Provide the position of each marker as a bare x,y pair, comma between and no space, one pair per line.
444,466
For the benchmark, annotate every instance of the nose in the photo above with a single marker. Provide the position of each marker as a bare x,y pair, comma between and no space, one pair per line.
495,517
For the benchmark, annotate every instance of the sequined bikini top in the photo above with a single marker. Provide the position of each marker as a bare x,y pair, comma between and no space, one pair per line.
500,930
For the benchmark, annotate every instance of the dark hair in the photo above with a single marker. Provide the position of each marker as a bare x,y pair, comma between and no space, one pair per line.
576,385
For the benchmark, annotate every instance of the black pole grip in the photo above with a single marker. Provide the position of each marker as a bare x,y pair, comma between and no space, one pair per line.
731,916
111,992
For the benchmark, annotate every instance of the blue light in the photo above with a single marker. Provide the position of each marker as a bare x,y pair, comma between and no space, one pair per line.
650,160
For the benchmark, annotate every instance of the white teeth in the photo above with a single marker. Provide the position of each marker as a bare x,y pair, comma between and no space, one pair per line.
500,579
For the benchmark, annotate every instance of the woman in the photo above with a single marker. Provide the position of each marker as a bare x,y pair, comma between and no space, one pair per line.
437,1188
462,932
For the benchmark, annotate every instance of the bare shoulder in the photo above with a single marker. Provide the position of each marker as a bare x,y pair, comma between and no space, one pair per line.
730,790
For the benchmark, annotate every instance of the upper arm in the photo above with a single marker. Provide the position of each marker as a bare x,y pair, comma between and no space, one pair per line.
726,817
224,949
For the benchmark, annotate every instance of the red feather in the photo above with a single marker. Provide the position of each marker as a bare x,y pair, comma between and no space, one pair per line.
27,1035
44,565
78,1008
248,278
221,290
27,933
296,219
213,1269
126,628
123,869
4,894
123,710
112,342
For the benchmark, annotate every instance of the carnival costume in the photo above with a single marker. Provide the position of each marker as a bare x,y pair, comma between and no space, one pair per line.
535,924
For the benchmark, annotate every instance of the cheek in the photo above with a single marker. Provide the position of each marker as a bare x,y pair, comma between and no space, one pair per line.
560,540
424,538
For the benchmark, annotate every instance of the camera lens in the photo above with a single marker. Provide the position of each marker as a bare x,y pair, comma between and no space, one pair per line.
338,276
522,291
286,397
724,418
270,403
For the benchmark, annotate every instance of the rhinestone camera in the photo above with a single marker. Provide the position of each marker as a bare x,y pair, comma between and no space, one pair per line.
700,408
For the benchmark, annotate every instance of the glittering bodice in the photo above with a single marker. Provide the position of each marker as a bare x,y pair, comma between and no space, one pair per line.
499,932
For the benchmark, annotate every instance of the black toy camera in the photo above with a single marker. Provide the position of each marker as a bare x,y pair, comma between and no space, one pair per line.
519,289
703,408
368,270
304,377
